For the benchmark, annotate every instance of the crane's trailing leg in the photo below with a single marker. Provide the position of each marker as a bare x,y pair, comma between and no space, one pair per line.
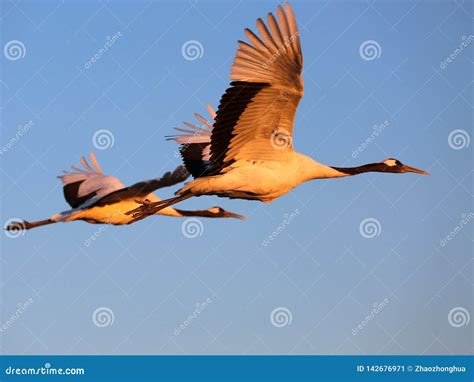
147,208
22,225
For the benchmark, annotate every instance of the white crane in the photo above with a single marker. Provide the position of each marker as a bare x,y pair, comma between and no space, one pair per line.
251,153
102,199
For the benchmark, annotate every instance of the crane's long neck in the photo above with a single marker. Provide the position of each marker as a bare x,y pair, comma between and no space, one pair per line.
370,167
175,212
200,213
170,211
317,170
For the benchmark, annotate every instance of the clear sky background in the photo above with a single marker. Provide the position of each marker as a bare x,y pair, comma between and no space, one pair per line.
323,272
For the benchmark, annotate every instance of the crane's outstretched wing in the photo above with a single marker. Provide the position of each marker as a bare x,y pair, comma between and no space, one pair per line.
254,120
87,184
195,144
141,189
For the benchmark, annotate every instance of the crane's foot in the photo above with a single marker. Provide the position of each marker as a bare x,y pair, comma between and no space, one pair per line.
19,225
146,208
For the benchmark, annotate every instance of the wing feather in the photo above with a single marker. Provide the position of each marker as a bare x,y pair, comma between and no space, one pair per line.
141,189
267,37
195,143
87,184
255,117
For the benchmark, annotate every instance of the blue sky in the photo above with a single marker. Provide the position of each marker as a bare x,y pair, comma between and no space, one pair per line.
324,272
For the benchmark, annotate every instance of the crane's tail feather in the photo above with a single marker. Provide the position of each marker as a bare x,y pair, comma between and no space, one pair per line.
146,209
23,225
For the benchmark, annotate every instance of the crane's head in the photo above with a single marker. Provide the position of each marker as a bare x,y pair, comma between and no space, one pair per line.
395,166
218,212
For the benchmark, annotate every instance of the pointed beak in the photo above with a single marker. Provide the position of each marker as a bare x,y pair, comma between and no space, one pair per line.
415,170
228,214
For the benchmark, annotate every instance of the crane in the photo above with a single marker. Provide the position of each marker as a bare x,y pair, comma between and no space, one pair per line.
251,153
102,199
